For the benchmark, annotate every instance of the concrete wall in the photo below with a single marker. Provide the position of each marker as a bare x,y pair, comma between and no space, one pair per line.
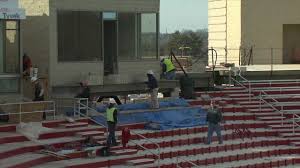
262,26
217,29
233,31
35,33
228,19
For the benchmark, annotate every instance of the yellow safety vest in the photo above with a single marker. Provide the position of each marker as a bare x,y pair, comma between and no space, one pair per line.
169,65
110,114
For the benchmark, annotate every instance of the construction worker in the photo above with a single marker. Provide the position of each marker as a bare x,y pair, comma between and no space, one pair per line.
153,88
84,90
168,69
214,117
112,119
38,90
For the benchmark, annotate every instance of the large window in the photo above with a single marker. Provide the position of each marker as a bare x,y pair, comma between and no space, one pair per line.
127,36
148,35
9,47
79,36
9,56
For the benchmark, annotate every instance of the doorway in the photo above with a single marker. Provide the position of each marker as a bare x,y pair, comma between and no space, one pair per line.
110,47
291,44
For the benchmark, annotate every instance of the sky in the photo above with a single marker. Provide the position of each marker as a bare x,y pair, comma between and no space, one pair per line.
183,14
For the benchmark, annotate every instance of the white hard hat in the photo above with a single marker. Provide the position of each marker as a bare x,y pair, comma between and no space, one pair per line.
33,79
150,72
111,101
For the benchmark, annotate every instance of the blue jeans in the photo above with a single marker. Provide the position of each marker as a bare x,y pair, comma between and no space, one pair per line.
170,75
211,128
111,139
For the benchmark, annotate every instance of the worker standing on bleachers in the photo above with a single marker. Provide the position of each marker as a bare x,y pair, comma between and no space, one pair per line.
153,87
214,117
112,119
168,69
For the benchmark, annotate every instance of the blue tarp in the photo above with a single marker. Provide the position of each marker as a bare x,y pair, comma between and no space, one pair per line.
143,106
164,119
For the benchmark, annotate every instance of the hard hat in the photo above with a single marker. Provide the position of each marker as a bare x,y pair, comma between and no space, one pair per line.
33,79
150,72
111,101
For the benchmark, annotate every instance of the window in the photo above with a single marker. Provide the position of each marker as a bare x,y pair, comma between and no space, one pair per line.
127,36
148,35
79,36
9,85
109,16
9,47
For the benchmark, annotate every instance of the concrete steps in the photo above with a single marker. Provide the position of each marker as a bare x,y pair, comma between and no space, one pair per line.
125,152
273,118
11,137
267,114
138,162
90,133
290,135
240,95
285,126
74,125
64,132
25,160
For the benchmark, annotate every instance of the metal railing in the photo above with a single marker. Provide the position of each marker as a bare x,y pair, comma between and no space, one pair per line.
25,108
295,124
262,94
78,105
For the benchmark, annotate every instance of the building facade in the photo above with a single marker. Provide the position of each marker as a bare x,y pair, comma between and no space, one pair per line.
110,43
270,27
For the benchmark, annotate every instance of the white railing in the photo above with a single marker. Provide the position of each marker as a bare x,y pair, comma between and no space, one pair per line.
81,106
22,108
270,82
73,104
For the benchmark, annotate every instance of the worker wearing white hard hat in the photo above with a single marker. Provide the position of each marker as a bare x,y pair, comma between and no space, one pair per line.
150,72
153,88
112,101
112,119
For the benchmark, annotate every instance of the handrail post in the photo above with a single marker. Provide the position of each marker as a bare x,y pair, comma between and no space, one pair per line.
158,156
20,109
74,108
293,123
87,105
260,101
281,115
229,76
249,87
54,110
